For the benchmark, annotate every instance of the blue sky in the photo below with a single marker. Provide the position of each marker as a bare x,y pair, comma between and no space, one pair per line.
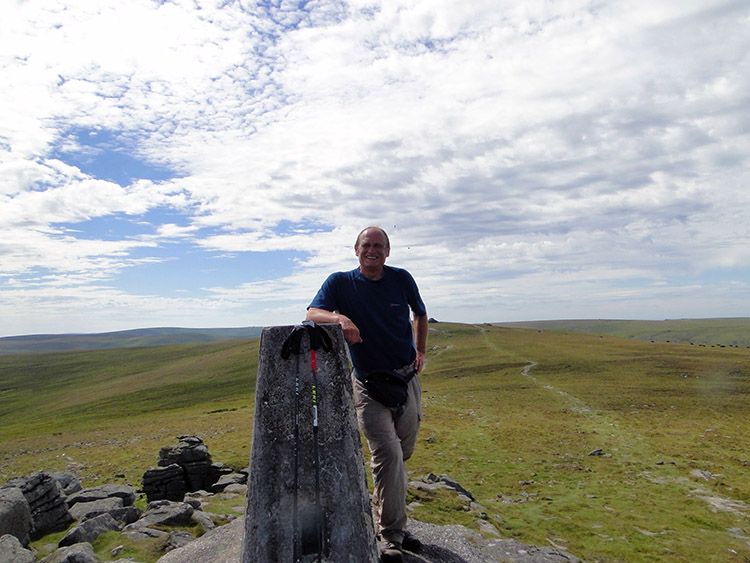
208,164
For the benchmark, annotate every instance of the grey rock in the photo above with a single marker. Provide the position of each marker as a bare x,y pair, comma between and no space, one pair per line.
458,544
143,533
15,514
221,545
450,483
124,492
701,474
202,475
234,491
183,468
165,483
194,502
49,511
487,528
422,486
89,530
68,481
78,553
11,551
126,515
203,520
441,544
518,552
162,474
229,479
188,449
83,511
178,539
165,513
447,544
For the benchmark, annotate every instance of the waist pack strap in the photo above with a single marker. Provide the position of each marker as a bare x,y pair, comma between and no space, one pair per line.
406,373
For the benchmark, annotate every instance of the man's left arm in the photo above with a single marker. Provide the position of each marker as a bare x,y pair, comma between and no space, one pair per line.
420,336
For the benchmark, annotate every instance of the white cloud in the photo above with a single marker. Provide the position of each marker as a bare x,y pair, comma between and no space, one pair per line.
579,150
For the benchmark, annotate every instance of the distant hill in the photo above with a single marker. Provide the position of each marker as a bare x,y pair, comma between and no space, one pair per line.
122,339
711,332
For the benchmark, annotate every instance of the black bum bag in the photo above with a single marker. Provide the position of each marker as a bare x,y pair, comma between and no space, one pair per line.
388,386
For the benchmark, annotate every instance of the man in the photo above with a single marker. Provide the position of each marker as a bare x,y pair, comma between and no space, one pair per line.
372,303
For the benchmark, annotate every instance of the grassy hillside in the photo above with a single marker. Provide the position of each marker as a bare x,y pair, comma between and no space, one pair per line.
732,332
511,414
108,412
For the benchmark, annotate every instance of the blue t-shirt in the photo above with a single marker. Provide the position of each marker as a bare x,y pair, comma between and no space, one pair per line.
380,309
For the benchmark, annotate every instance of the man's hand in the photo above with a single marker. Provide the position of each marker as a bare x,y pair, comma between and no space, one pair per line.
351,332
419,362
321,316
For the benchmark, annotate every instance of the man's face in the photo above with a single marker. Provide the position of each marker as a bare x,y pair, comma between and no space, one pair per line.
372,249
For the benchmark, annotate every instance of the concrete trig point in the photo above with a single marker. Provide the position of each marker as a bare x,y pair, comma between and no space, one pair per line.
342,512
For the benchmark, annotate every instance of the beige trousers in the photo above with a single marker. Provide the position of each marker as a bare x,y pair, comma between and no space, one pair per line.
391,435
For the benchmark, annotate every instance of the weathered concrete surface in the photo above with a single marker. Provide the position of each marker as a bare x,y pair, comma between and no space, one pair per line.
344,511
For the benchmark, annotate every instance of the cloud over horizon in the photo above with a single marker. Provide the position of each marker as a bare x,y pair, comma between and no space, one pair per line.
209,163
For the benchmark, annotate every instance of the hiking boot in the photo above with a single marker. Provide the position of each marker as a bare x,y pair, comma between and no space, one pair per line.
411,543
391,551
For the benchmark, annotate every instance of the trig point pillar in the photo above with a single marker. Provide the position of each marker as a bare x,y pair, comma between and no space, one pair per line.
307,496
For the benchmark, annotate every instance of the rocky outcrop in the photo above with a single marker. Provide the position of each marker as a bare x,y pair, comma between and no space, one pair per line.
49,511
223,543
441,544
165,483
114,500
38,504
185,467
15,514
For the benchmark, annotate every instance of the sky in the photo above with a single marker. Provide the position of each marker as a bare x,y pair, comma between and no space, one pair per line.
209,163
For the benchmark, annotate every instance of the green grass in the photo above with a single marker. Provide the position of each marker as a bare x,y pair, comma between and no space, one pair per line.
511,414
732,332
107,413
521,443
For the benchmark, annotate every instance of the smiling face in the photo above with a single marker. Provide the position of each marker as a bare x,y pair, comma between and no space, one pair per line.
372,248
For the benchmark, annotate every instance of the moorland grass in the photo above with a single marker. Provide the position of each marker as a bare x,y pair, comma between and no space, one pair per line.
709,332
513,415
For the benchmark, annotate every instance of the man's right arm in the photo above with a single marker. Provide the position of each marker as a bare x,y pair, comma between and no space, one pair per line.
321,316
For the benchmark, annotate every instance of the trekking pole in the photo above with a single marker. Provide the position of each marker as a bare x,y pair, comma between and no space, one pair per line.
316,454
295,517
318,338
292,346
